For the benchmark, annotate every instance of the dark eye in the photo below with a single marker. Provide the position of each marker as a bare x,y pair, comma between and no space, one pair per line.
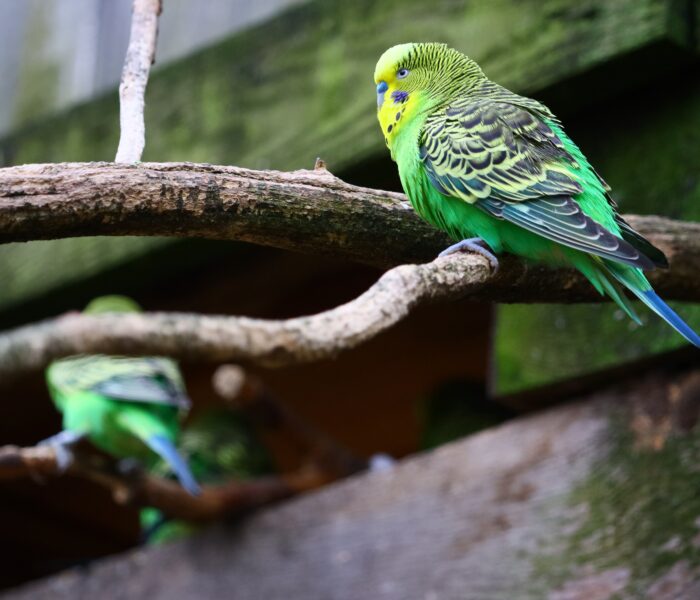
402,73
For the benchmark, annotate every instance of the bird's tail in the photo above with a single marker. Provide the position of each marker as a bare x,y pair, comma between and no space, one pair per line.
635,282
162,446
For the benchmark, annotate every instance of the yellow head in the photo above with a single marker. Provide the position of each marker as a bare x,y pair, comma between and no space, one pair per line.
415,78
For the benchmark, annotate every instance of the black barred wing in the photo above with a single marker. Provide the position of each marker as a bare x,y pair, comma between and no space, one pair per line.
507,161
560,219
152,380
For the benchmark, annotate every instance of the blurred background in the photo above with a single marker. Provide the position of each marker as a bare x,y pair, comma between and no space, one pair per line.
272,84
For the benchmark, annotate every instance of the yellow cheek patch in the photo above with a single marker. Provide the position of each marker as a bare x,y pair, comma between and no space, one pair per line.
397,108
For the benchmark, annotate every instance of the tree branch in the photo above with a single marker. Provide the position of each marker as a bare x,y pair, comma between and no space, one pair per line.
141,489
225,339
267,412
140,55
307,211
326,461
304,210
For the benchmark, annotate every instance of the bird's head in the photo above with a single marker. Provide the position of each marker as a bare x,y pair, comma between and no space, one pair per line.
413,78
111,304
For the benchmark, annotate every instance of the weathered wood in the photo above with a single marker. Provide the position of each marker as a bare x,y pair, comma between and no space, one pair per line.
307,211
594,500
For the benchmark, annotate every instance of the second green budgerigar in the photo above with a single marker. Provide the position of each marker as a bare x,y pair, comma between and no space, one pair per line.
128,407
496,171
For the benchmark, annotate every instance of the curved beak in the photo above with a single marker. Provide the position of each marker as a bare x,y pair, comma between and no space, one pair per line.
382,87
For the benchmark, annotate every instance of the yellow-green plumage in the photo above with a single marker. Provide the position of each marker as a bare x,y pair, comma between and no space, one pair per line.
128,407
477,160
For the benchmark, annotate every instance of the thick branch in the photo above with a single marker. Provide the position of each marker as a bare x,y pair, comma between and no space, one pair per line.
140,55
308,211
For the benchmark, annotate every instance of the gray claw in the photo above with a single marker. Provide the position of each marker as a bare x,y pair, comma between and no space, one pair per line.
475,245
62,444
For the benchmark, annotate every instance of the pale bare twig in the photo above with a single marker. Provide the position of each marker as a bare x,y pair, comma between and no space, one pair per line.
140,55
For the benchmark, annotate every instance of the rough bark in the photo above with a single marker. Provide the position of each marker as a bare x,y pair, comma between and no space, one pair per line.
223,339
308,211
591,500
140,55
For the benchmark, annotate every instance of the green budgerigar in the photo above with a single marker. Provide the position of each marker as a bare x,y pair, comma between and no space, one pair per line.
128,407
497,171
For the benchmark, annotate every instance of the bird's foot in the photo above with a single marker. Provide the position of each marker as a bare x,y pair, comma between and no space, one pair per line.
475,245
62,444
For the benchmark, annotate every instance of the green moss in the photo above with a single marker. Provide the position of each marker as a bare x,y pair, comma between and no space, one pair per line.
33,269
301,85
537,345
640,509
37,84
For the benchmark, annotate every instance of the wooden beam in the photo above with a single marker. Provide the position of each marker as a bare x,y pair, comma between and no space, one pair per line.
596,499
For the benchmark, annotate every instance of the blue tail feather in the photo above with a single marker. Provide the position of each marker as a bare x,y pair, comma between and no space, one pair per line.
653,301
635,282
167,451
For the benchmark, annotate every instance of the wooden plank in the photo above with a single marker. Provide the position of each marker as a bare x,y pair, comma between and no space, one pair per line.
596,499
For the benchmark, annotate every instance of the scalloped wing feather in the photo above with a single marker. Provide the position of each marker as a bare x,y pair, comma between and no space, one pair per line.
154,380
506,160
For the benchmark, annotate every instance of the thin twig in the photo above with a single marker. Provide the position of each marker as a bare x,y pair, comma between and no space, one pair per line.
140,55
141,489
268,413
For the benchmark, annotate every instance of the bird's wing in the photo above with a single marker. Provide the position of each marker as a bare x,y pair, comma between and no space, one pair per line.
152,380
509,162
